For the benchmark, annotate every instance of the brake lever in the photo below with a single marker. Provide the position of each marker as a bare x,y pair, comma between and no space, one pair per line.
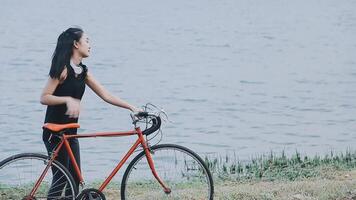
134,118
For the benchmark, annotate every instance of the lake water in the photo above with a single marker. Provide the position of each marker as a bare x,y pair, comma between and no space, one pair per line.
235,76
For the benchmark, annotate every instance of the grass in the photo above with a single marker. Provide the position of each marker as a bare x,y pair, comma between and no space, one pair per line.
340,185
273,167
274,177
279,177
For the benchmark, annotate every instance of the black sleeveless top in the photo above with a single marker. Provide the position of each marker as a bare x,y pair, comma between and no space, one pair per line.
73,86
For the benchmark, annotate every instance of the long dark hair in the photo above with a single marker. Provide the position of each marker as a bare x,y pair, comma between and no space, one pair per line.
64,50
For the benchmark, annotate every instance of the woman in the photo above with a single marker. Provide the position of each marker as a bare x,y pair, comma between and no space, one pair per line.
63,92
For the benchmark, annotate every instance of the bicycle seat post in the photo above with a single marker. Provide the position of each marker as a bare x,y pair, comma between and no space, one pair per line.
55,150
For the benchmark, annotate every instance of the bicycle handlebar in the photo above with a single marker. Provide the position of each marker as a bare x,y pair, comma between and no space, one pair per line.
156,121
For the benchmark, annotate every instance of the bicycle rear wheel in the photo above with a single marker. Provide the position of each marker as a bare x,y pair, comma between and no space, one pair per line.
19,173
182,170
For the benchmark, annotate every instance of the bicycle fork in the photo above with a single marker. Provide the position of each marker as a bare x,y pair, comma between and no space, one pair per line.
166,189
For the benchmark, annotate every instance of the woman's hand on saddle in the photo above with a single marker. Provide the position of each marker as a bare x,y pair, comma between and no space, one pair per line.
73,107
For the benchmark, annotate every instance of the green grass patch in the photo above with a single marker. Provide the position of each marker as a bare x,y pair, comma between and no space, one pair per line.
280,167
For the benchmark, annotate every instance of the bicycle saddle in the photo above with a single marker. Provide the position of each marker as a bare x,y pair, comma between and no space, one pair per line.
59,127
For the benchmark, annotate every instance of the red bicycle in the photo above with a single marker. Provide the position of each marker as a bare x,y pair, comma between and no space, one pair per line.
163,171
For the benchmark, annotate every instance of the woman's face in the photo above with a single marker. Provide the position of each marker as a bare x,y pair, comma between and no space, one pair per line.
83,46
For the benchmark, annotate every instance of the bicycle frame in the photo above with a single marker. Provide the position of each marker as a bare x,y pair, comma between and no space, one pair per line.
64,141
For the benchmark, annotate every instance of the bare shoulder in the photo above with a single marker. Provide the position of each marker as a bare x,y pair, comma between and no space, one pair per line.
89,74
89,77
63,76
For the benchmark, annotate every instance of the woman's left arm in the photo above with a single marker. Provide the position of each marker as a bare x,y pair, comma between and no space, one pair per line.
105,95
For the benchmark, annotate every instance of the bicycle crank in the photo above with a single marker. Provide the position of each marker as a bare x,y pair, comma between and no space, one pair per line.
91,194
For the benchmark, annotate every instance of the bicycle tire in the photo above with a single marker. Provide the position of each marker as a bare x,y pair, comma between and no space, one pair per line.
139,183
18,174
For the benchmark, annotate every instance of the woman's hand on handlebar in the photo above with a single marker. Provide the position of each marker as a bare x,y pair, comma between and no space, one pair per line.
135,110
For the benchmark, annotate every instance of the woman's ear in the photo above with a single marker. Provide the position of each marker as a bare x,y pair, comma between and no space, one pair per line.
75,44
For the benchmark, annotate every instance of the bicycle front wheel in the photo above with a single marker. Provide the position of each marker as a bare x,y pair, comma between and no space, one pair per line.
182,170
19,173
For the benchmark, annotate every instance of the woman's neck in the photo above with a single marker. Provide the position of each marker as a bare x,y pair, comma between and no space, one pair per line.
76,59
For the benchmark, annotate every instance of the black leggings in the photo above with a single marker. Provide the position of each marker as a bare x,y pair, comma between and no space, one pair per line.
58,181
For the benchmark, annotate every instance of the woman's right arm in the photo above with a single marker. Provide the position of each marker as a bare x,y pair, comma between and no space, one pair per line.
47,98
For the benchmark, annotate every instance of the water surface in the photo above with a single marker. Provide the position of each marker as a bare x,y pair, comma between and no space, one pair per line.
243,77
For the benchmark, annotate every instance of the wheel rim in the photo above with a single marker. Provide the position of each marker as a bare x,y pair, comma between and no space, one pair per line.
182,171
19,175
